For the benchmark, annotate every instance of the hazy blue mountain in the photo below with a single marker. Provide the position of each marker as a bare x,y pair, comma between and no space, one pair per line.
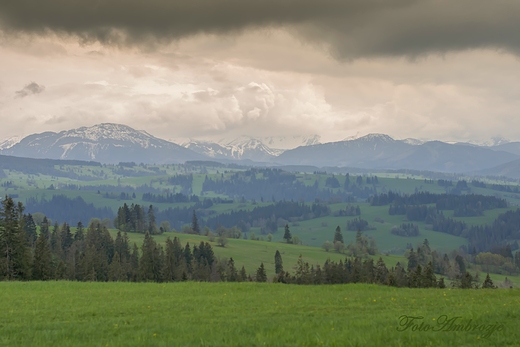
511,147
113,143
510,169
106,143
377,151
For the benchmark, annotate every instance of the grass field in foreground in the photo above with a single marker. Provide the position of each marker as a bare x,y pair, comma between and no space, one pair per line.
249,314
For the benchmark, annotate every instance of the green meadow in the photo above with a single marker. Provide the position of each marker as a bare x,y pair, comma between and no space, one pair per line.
250,253
253,314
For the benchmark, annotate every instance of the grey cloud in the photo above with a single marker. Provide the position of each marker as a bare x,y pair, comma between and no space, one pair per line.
347,28
30,89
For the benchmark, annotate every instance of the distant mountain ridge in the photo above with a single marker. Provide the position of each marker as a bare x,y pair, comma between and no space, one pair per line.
106,143
379,151
114,143
239,149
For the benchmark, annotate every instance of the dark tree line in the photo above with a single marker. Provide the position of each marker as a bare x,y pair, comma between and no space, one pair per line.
503,231
275,185
185,181
287,210
464,205
144,188
500,187
60,207
170,198
37,167
357,270
92,254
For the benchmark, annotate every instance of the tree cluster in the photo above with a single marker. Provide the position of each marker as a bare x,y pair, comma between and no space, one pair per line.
406,230
358,224
91,254
349,211
62,208
135,219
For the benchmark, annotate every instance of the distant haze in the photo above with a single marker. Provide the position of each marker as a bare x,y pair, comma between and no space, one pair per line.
221,69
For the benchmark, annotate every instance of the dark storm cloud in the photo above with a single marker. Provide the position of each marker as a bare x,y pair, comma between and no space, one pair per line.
30,89
347,28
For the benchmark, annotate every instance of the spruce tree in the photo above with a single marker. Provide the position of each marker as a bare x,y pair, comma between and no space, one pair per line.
195,223
115,270
152,260
66,238
15,256
466,281
188,257
56,246
152,225
242,275
30,230
80,232
232,273
381,272
170,262
133,271
44,228
488,283
122,247
416,277
278,262
338,237
428,279
441,284
287,234
260,274
42,261
413,260
177,250
460,262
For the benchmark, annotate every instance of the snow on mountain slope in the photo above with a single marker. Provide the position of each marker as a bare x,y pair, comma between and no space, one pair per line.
414,142
107,142
247,147
237,149
9,142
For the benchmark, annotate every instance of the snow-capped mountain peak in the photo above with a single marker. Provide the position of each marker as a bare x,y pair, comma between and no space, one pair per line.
376,137
413,142
247,147
109,131
9,142
106,142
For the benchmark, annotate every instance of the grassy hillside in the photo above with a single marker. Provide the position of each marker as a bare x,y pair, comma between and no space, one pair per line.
253,314
312,232
250,254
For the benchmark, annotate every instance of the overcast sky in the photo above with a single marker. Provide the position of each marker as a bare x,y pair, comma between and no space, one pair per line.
429,69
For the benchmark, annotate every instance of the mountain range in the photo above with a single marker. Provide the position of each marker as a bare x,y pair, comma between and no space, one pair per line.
106,143
114,143
245,147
